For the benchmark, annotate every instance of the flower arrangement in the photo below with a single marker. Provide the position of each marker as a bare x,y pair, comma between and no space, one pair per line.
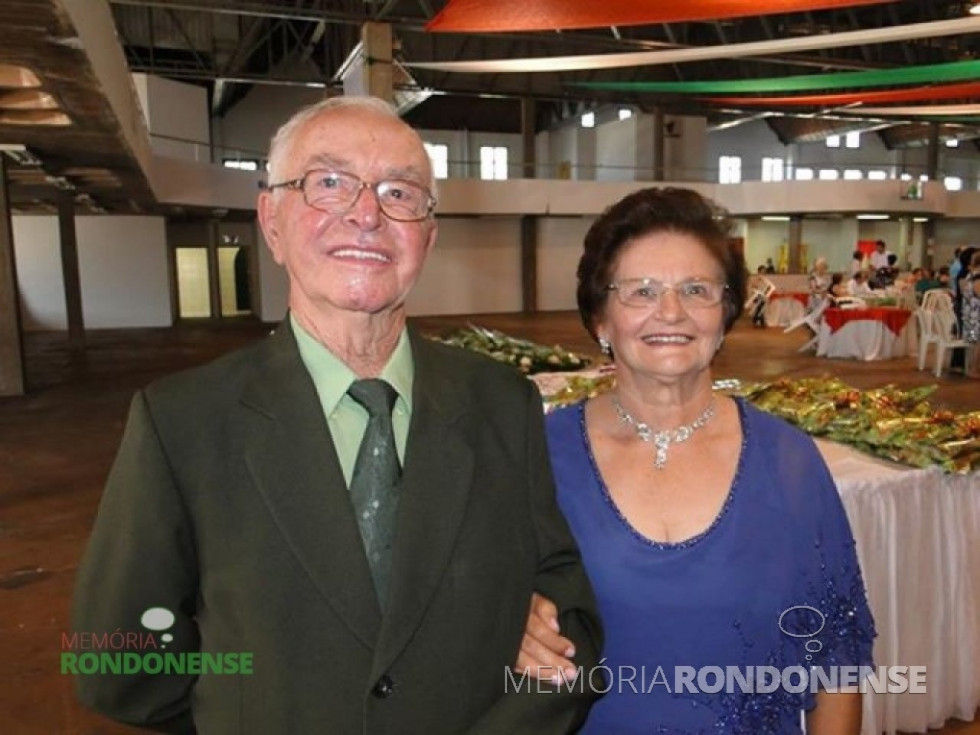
528,357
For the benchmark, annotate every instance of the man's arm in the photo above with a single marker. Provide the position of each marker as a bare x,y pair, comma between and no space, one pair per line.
140,555
538,708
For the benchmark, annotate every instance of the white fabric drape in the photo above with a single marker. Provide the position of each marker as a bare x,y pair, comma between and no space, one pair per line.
865,340
918,543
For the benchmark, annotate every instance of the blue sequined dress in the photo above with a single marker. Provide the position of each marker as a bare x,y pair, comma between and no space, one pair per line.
773,582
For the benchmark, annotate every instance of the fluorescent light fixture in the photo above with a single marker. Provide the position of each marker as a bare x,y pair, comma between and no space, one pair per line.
20,154
775,218
625,113
588,120
872,216
953,142
920,220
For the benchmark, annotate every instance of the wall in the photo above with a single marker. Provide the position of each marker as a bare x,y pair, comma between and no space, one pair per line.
248,127
616,151
752,141
177,116
474,267
559,249
38,258
122,270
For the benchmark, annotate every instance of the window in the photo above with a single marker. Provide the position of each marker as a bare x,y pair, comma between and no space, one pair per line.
729,169
625,113
493,162
828,174
833,141
953,183
852,174
853,140
877,175
952,143
244,164
804,174
439,155
906,177
772,169
588,120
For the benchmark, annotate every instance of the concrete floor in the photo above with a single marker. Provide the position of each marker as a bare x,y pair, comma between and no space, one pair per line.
57,443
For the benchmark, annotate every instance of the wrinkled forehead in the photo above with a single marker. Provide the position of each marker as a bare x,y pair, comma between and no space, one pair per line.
361,142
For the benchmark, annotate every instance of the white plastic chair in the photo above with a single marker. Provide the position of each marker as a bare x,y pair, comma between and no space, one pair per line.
937,299
947,335
812,320
927,333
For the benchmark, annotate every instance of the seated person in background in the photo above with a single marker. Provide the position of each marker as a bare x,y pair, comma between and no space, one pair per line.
837,286
879,258
858,285
757,296
770,266
857,261
927,282
819,283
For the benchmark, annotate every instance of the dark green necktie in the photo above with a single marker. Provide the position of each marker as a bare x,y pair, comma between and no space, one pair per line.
373,486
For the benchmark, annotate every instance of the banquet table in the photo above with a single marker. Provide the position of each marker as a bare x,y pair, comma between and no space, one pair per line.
783,308
878,333
917,533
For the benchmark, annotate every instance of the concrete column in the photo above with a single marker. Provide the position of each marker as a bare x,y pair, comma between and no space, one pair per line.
11,338
932,152
658,144
794,242
529,264
378,70
527,136
214,280
68,241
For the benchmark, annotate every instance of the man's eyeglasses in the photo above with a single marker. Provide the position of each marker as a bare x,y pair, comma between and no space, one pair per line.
335,192
647,292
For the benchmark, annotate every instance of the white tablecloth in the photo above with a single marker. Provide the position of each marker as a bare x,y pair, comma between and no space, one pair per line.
781,312
918,543
865,340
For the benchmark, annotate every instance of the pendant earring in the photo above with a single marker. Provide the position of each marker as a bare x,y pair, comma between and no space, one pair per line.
605,347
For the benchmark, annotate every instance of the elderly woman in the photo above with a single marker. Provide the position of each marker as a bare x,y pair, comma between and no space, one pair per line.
712,532
819,280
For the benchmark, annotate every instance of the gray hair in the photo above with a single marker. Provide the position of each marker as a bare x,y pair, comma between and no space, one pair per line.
282,141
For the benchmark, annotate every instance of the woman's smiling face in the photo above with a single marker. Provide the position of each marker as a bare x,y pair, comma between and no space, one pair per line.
670,338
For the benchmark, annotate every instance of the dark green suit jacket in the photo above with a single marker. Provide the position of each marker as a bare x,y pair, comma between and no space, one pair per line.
226,505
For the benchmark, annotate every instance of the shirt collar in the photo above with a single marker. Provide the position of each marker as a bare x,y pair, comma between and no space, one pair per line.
332,377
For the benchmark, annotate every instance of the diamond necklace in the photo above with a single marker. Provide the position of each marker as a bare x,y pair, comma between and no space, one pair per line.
663,439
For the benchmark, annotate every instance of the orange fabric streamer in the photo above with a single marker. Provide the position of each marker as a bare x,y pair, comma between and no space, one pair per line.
963,90
480,16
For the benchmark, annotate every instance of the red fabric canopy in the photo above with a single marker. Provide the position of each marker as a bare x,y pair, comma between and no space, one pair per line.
547,15
913,94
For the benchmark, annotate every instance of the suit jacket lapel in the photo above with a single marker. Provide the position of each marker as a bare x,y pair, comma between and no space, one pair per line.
435,490
292,460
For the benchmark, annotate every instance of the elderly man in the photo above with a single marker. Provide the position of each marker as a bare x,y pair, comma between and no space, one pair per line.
361,514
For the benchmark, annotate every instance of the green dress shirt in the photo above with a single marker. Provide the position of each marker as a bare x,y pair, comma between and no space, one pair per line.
346,418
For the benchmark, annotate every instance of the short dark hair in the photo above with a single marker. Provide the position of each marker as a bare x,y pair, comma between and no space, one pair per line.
648,211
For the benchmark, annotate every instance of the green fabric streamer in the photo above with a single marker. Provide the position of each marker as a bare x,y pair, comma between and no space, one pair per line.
950,72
